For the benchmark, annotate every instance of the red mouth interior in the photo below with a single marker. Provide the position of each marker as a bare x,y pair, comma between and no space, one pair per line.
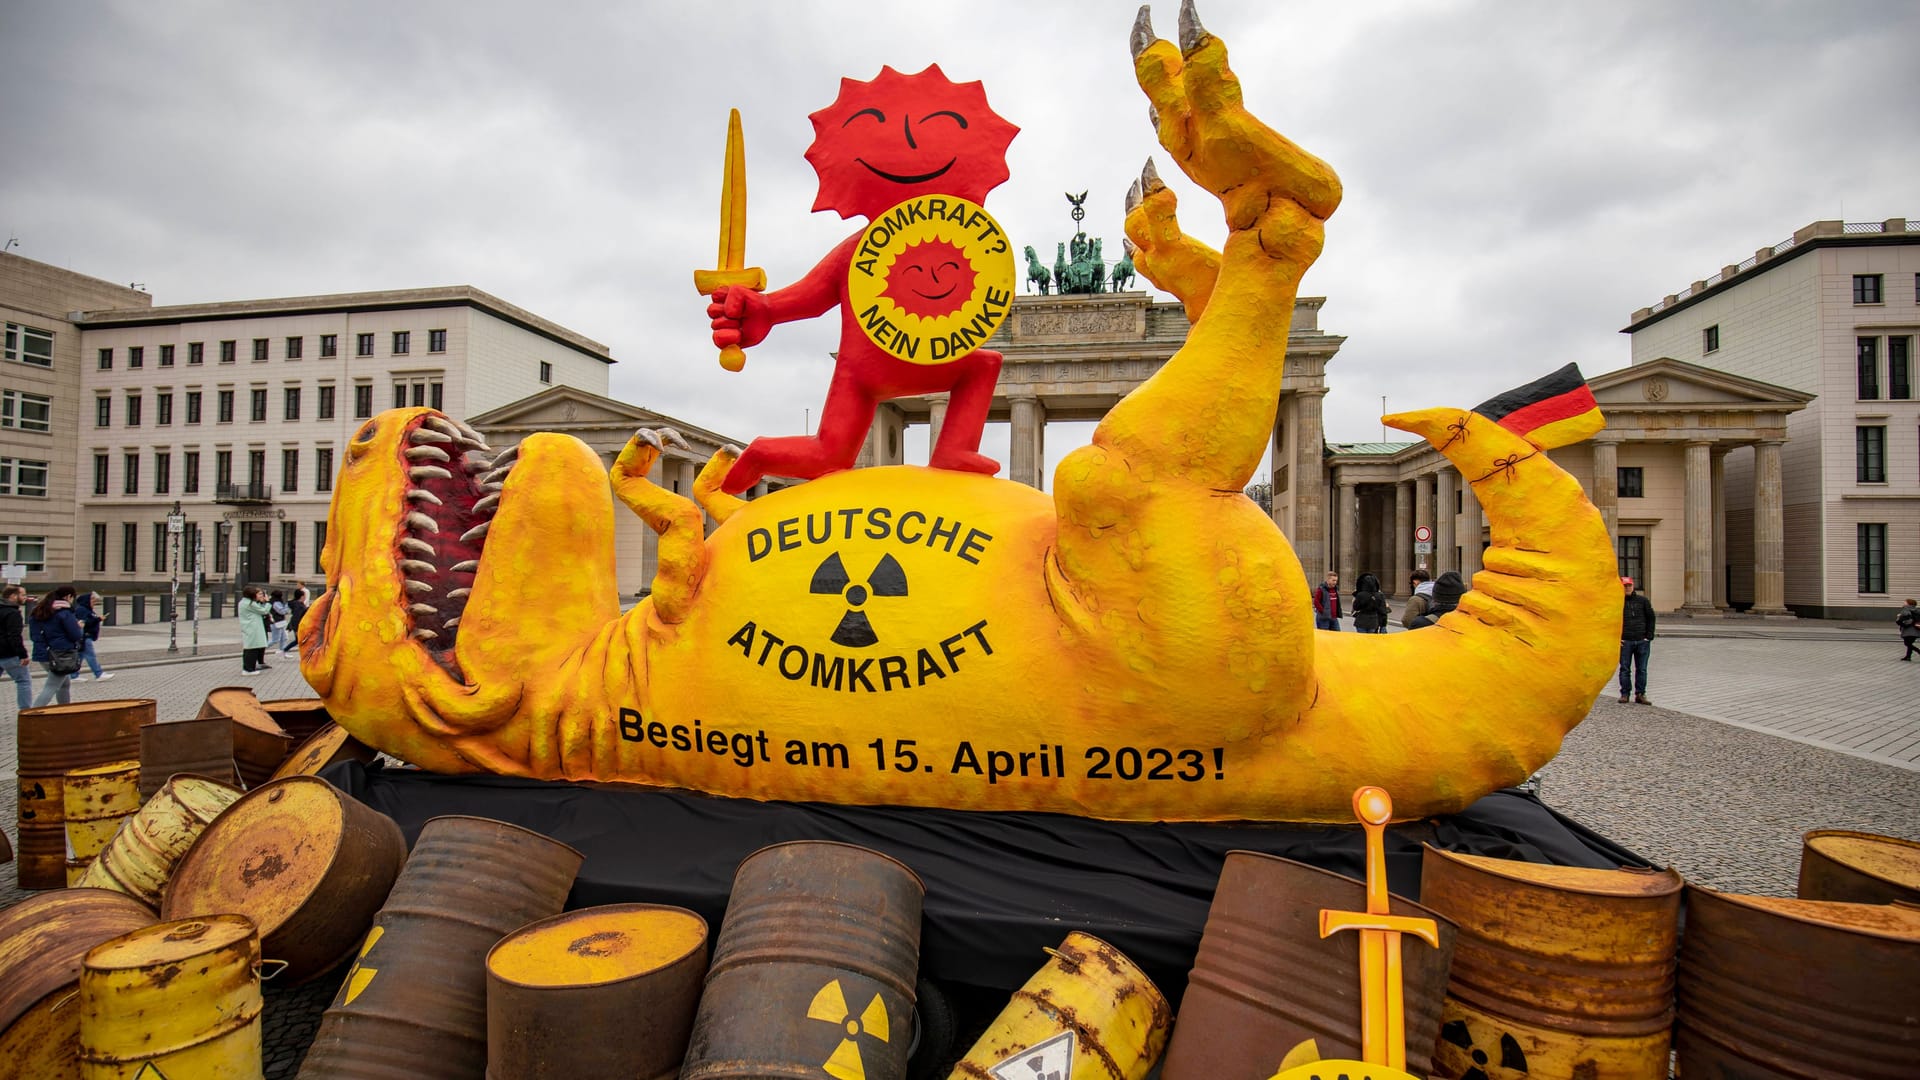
435,543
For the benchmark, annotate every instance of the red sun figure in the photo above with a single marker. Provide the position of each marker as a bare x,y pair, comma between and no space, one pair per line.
881,143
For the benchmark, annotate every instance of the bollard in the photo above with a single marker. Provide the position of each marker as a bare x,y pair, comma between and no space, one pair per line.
139,608
111,616
166,608
219,604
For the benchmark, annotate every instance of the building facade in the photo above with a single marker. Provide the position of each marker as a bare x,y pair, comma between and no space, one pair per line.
1831,313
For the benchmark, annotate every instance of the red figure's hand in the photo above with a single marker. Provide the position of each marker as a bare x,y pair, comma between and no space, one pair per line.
741,316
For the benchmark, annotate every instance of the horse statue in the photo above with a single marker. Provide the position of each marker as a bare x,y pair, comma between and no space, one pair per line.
1060,270
1123,270
1037,274
1096,268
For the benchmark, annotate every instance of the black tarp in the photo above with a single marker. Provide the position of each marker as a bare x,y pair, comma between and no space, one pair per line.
1000,886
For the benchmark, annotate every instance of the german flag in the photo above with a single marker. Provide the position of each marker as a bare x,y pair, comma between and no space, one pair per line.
1557,410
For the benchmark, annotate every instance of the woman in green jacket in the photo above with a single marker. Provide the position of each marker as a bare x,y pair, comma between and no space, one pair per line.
254,613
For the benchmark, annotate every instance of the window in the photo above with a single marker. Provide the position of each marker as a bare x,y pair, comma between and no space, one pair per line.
222,542
228,352
25,412
99,547
190,473
323,469
28,551
106,360
1867,367
363,345
362,400
257,404
256,467
133,410
189,548
289,535
163,409
325,410
291,406
1870,455
131,463
136,356
399,395
1710,339
166,356
402,342
129,546
193,406
100,476
1871,541
224,407
102,411
24,478
435,395
1631,552
437,339
1900,368
1866,288
329,345
546,372
296,346
289,470
29,345
162,472
159,547
196,352
259,348
222,469
319,545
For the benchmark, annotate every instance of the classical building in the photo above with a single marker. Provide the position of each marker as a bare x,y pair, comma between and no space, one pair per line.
1832,314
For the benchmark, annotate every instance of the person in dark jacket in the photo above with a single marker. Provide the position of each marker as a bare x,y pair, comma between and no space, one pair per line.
1908,620
296,610
53,626
1326,604
1370,608
86,607
1447,591
13,643
1636,641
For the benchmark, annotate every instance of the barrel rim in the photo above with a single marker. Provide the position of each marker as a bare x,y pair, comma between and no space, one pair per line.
234,919
124,765
472,817
701,945
1740,900
173,878
917,880
89,706
21,998
1807,839
1136,969
1298,865
1674,880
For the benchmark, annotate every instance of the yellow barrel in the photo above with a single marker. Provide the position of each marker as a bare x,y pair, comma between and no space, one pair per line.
42,941
1859,868
631,968
181,999
51,741
96,800
141,856
1089,1013
325,746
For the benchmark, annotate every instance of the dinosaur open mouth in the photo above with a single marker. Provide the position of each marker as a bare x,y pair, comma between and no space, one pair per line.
454,481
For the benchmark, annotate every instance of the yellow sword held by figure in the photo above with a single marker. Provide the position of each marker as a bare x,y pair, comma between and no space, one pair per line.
733,236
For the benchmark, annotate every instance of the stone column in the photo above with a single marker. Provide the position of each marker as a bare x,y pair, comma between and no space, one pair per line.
1719,474
1402,536
1470,525
1422,515
1279,458
1040,447
1769,548
1444,483
1698,531
1606,484
1021,466
1310,486
1346,528
936,419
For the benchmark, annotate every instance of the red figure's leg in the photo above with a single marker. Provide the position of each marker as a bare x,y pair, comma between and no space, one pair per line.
844,421
959,446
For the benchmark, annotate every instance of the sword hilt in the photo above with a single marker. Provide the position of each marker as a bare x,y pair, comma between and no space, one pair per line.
708,282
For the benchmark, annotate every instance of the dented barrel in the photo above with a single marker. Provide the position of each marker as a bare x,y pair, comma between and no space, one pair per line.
814,968
1859,868
328,744
415,1002
307,864
259,743
53,741
95,800
142,855
1557,970
180,999
298,717
195,747
1089,1013
43,940
607,991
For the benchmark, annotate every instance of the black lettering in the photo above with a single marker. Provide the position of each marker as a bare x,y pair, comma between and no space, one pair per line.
857,673
1098,770
900,219
789,531
879,523
865,266
716,743
761,738
830,755
879,234
941,528
963,758
999,764
796,752
826,528
825,677
917,210
978,632
657,734
937,207
743,637
956,344
630,725
742,746
900,530
846,518
939,348
798,672
975,543
953,654
871,318
958,214
759,543
772,639
907,345
680,739
973,222
996,298
928,667
891,668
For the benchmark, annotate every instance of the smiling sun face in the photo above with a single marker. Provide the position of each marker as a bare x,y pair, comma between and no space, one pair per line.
930,279
898,136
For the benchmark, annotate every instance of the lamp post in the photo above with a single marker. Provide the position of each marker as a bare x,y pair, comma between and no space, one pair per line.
199,579
176,524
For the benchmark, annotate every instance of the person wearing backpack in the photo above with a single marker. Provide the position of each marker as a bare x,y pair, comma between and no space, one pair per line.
277,615
1909,623
296,610
57,640
1370,607
1445,596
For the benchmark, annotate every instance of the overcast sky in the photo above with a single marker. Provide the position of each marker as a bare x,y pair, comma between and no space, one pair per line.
1519,176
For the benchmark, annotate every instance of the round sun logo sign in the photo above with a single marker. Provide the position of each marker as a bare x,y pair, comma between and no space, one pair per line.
932,279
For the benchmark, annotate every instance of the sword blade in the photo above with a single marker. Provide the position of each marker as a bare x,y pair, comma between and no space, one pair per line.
733,199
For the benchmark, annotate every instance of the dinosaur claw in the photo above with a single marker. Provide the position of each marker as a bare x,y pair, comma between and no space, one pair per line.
1129,247
672,435
1134,195
650,437
1142,35
1191,32
1150,181
731,450
1153,117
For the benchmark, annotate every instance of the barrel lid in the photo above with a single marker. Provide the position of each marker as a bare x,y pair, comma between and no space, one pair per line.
131,765
1900,922
87,707
43,938
170,941
598,945
203,795
240,705
1630,882
263,857
1889,858
315,752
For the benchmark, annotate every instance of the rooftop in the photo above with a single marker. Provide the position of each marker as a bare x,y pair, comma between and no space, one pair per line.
1818,234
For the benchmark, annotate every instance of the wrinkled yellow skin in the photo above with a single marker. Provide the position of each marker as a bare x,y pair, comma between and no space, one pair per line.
1148,605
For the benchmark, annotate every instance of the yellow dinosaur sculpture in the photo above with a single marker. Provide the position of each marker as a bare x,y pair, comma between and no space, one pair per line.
1139,647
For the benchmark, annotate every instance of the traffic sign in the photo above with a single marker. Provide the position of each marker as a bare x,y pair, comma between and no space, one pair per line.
1423,547
15,573
1422,534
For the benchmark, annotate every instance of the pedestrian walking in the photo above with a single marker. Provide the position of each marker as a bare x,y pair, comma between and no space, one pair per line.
278,614
1636,642
1370,607
296,610
13,643
254,613
1326,604
1442,598
1909,623
86,607
57,636
1420,598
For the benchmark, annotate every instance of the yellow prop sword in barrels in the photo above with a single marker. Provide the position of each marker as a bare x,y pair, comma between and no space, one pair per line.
733,236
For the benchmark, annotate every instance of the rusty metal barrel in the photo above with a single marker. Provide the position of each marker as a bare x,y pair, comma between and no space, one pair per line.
180,999
607,991
298,717
259,743
1557,970
194,747
814,968
1797,988
1859,868
415,1002
1265,980
325,746
309,865
142,855
1089,1013
42,942
95,800
53,741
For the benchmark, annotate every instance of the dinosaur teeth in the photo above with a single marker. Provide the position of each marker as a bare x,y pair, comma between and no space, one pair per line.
422,495
1142,35
428,472
417,588
1191,32
495,486
507,457
476,463
427,453
456,594
426,435
418,520
476,532
496,476
415,566
487,504
442,425
424,609
423,634
418,547
468,566
453,622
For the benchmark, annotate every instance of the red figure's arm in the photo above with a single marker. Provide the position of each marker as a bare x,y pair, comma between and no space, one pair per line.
744,317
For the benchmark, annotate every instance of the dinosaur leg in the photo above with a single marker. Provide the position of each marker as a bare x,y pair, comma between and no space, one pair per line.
706,486
683,549
959,446
1163,254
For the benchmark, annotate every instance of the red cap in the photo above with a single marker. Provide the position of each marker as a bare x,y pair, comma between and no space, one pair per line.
1627,581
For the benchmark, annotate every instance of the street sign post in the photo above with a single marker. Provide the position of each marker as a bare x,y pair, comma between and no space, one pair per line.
15,573
176,524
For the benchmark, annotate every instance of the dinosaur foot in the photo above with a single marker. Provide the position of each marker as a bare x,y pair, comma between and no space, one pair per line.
1161,252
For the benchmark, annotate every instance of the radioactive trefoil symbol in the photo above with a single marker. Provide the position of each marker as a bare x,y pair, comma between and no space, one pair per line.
361,975
832,579
1513,1060
830,1004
